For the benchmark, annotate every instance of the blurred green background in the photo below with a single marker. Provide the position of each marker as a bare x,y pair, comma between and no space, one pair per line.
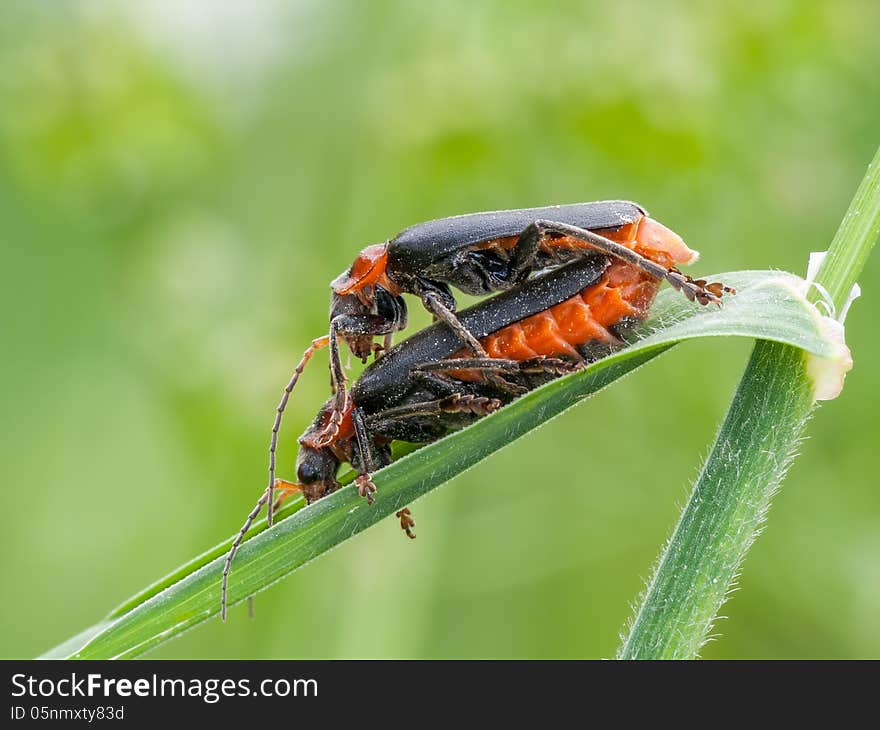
180,181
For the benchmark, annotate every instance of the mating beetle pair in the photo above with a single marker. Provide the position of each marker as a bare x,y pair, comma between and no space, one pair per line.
468,365
480,253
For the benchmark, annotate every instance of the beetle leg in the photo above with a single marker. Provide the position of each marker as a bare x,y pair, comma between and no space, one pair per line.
406,522
364,480
530,240
492,366
439,384
365,325
337,383
413,425
536,365
455,403
428,420
522,257
436,307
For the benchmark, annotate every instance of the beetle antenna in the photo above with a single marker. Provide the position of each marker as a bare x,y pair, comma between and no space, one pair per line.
239,538
268,495
316,345
287,488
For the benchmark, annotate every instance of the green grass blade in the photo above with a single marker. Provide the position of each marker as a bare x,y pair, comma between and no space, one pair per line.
770,306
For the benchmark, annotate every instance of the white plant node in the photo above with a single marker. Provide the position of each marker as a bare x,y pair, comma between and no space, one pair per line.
828,373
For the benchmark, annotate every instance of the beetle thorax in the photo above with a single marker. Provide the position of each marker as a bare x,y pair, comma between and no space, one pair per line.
367,271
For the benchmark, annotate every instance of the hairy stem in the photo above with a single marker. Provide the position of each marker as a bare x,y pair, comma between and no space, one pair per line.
746,465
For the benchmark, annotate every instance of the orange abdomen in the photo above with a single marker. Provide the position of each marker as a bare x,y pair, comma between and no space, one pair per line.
622,292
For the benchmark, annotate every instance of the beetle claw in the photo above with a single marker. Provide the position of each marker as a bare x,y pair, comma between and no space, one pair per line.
406,522
327,435
365,487
697,289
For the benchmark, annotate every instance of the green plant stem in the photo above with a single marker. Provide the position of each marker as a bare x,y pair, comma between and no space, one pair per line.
854,239
726,508
745,467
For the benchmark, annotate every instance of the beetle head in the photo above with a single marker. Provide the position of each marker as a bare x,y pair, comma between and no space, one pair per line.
318,460
365,313
316,472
